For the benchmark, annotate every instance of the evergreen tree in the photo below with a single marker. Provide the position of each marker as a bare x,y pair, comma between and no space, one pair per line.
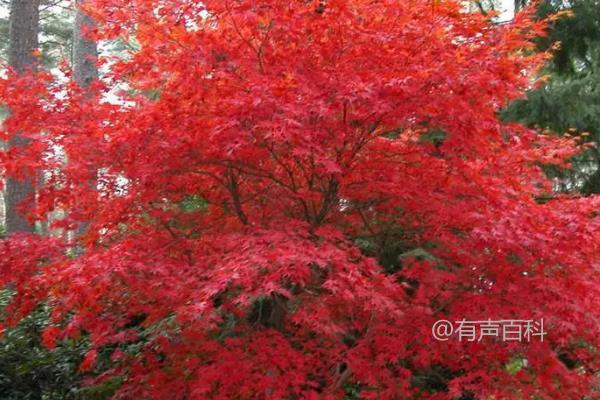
569,102
23,42
55,28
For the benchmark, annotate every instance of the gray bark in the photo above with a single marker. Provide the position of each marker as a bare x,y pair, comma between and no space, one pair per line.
85,51
85,70
23,40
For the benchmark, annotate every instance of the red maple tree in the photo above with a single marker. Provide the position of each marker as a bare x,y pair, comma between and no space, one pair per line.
288,194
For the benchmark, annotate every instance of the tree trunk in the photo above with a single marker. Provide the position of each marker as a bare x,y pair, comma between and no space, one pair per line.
85,70
23,41
85,51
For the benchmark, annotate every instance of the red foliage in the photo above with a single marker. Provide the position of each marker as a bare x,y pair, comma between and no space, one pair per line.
300,129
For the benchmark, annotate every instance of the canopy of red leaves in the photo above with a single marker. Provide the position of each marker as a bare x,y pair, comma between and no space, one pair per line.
245,168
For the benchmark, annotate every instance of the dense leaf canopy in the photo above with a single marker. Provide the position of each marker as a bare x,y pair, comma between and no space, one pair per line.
282,197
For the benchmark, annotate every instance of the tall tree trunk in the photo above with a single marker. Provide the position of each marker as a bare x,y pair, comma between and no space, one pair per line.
23,40
85,50
85,70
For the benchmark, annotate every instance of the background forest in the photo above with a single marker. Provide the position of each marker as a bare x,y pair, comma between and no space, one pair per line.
34,364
